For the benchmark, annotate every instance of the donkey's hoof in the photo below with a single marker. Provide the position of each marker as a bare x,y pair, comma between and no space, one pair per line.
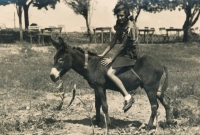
96,122
149,128
172,123
167,124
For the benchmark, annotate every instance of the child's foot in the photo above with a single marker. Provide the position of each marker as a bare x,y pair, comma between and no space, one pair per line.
128,104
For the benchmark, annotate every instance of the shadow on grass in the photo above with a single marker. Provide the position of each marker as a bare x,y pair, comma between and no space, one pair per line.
115,123
124,123
84,121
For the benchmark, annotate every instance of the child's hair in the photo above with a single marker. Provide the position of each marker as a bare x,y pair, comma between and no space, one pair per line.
121,6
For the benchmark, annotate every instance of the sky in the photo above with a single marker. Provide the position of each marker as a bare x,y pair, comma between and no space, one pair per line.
102,17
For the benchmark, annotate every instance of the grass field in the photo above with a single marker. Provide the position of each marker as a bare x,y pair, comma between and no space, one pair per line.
28,105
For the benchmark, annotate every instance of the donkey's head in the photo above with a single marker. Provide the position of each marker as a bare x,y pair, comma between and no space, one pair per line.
62,60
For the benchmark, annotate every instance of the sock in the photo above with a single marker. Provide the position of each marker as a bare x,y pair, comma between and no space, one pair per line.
128,97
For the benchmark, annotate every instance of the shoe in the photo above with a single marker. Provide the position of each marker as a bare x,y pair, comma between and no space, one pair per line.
128,104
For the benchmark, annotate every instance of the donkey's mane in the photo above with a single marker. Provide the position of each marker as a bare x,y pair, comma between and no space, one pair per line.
82,51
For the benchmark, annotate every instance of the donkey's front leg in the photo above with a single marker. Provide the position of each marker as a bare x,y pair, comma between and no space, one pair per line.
97,107
102,95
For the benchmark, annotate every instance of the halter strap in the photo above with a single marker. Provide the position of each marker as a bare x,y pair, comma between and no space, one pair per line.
85,63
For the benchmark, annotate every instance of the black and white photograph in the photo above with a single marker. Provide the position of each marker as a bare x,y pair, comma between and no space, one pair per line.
100,67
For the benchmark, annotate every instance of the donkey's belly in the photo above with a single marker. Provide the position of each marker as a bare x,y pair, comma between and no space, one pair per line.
128,78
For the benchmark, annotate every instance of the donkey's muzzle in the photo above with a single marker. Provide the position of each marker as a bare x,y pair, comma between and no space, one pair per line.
54,75
53,78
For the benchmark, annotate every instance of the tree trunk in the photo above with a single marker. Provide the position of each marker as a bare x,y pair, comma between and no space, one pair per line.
26,17
19,13
188,24
20,26
88,29
186,31
88,20
138,13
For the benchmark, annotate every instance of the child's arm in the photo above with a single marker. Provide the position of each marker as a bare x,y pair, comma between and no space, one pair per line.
110,46
119,50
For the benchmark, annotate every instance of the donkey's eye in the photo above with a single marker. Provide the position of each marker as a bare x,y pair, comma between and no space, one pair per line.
60,60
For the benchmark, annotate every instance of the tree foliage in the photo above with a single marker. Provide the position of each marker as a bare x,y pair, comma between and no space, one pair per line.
45,3
190,7
160,5
36,3
79,6
4,2
23,5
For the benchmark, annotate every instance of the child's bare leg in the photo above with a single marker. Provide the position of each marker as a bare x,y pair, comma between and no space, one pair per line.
111,74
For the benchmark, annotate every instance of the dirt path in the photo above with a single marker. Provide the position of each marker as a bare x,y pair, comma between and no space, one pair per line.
77,122
31,112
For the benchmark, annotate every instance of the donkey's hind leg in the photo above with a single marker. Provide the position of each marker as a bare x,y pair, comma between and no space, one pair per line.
154,107
165,101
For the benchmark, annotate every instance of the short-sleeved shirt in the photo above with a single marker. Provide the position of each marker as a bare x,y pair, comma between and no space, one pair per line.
126,35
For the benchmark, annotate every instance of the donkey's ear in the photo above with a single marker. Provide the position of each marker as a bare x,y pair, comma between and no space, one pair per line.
56,44
62,42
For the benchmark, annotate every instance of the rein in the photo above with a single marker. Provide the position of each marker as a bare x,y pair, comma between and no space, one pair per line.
136,74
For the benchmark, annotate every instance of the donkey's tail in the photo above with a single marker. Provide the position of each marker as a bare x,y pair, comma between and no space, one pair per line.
163,82
165,85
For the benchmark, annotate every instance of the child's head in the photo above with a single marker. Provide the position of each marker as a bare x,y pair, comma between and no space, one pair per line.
122,11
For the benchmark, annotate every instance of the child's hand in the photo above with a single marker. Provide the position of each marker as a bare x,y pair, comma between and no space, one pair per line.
106,61
100,55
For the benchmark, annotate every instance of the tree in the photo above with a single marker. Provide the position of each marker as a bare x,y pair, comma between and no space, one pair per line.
19,13
190,7
84,8
24,5
36,3
192,11
4,2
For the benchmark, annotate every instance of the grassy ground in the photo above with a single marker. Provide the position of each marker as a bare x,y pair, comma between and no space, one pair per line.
28,105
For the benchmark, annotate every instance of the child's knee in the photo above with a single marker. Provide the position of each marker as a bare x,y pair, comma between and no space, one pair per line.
109,73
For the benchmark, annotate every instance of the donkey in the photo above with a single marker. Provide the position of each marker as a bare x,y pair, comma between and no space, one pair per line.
148,73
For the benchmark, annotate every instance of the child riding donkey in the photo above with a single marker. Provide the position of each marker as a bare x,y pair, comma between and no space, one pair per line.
126,55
